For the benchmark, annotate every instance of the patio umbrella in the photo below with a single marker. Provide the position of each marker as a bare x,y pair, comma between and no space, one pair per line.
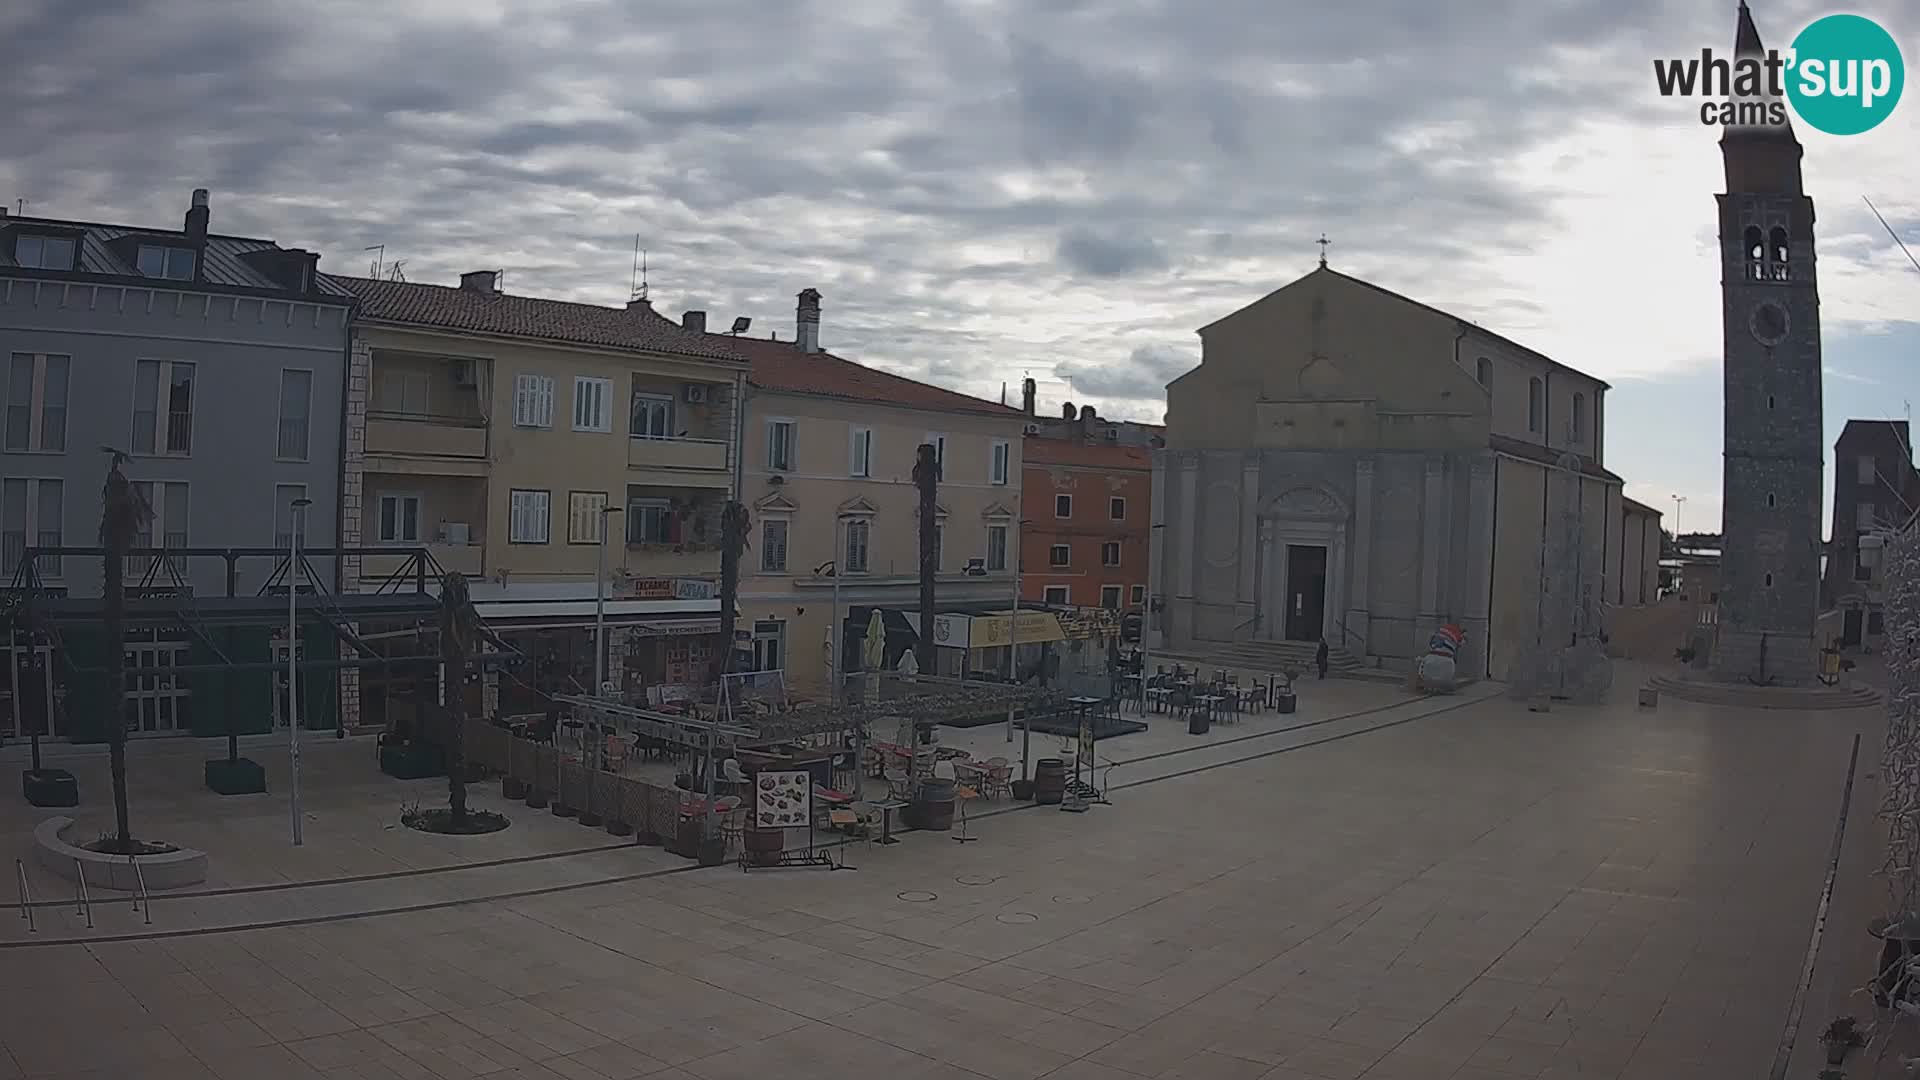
909,666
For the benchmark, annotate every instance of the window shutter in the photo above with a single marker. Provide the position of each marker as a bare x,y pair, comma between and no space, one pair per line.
543,415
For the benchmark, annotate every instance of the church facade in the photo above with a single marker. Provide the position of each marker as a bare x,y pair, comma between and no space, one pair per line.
1349,464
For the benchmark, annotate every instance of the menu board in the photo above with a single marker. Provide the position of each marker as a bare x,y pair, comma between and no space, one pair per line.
782,800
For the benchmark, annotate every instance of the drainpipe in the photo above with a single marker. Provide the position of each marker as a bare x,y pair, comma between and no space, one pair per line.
340,481
1493,570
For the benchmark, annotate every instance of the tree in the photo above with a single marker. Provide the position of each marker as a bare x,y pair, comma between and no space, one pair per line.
733,540
926,477
123,515
458,627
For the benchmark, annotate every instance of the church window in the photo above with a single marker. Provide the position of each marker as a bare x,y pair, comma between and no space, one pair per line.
1755,254
1777,262
1769,581
1536,402
1769,402
1769,500
1483,371
1863,469
1579,417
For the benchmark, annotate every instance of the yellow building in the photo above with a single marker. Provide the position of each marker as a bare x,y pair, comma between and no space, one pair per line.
499,433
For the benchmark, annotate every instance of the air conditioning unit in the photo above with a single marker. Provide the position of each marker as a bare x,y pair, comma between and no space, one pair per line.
1113,435
1033,429
976,568
695,393
466,373
455,533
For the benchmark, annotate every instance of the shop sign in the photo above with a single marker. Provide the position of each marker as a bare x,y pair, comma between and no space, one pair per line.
991,631
666,589
950,631
1089,622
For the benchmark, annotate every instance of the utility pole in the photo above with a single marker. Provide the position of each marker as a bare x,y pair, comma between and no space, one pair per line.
121,519
926,477
298,512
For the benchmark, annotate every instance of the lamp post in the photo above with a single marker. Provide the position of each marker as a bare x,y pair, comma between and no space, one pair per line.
299,525
1013,632
1146,618
835,640
1678,502
600,605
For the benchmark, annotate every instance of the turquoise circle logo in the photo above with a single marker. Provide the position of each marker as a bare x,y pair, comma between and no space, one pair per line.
1845,74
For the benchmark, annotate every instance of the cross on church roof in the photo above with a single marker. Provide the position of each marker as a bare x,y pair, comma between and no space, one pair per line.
1324,245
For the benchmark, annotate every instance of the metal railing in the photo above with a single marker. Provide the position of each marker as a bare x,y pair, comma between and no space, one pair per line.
141,901
82,903
26,896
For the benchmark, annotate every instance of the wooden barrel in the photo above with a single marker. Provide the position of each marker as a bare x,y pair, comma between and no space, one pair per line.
1049,781
932,806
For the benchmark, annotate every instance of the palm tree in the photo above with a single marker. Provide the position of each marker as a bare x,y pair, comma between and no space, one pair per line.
123,515
458,627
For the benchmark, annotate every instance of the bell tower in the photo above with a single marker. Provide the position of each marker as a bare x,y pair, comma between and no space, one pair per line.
1773,462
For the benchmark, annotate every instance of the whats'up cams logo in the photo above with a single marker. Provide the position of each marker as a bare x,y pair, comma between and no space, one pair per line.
1843,76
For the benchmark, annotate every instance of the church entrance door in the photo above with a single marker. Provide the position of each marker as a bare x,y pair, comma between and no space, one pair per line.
1306,592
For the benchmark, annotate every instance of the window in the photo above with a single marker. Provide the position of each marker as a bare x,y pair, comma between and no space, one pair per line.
769,644
859,534
529,516
44,252
163,407
939,444
996,547
1769,500
1483,372
939,544
1876,622
1536,401
1058,594
998,465
1579,417
1769,402
1138,595
585,518
1060,555
31,511
649,519
284,512
296,403
773,546
399,519
405,392
1864,471
1863,517
651,416
1769,579
1110,597
860,452
1110,553
1862,571
591,408
156,704
37,402
532,401
1063,506
168,502
175,264
780,445
1117,508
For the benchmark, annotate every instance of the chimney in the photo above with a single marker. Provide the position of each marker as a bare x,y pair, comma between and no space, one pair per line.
695,321
1066,411
1029,391
807,321
197,214
480,281
1087,414
638,303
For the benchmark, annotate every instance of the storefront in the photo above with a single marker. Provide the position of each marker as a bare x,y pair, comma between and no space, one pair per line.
1057,643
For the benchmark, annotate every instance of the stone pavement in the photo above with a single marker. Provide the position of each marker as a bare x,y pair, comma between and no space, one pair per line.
1449,888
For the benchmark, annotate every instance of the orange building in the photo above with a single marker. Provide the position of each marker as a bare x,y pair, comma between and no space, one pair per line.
1086,522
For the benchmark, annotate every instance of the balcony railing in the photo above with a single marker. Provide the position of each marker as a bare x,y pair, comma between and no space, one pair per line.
424,435
682,455
464,558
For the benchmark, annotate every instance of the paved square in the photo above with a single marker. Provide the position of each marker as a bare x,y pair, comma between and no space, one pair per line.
1453,887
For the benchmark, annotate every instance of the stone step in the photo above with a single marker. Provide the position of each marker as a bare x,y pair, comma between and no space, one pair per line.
1811,698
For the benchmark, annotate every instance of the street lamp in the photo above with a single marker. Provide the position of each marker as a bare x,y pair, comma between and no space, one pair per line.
299,526
600,606
1678,501
1146,618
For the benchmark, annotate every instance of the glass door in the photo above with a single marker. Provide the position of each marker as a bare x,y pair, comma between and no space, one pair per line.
157,702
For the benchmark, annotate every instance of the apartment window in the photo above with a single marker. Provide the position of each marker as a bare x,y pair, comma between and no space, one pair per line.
860,452
1063,506
651,416
1058,594
859,542
769,644
1110,553
532,401
1864,471
592,409
1138,595
44,252
998,465
1060,555
284,496
1483,372
1536,403
649,520
399,519
167,500
1863,517
939,444
1117,508
1579,417
996,547
31,511
780,445
585,517
163,407
37,402
172,263
296,405
1110,597
773,545
405,392
529,516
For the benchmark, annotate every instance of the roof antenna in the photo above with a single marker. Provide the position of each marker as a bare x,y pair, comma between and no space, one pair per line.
637,286
500,280
19,208
380,251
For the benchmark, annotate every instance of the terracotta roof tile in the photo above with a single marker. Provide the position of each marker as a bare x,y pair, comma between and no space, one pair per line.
1038,450
638,329
781,366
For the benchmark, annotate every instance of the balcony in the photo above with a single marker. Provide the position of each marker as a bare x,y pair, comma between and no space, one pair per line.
433,438
681,462
670,560
464,558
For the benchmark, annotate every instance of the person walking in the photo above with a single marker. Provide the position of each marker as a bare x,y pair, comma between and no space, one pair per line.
1320,658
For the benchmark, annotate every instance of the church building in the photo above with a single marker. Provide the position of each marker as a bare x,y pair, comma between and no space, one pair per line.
1350,464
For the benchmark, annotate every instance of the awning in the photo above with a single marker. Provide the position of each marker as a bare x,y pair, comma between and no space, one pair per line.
543,614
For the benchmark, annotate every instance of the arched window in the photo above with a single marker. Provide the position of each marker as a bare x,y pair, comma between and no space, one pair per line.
1755,250
1579,417
1777,253
1536,403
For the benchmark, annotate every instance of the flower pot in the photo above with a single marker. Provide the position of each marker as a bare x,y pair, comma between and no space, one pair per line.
561,809
1285,702
713,851
1837,1052
512,789
1022,790
646,839
617,827
590,819
536,798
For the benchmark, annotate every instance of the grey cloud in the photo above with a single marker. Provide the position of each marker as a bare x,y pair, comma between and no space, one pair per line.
1109,255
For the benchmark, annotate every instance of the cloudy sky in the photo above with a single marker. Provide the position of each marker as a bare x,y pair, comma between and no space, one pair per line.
986,188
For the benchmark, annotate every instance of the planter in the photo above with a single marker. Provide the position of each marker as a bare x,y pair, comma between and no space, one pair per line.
1022,790
646,838
512,789
49,787
1198,722
412,761
591,820
1285,702
1837,1052
561,809
536,799
713,851
240,776
617,827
